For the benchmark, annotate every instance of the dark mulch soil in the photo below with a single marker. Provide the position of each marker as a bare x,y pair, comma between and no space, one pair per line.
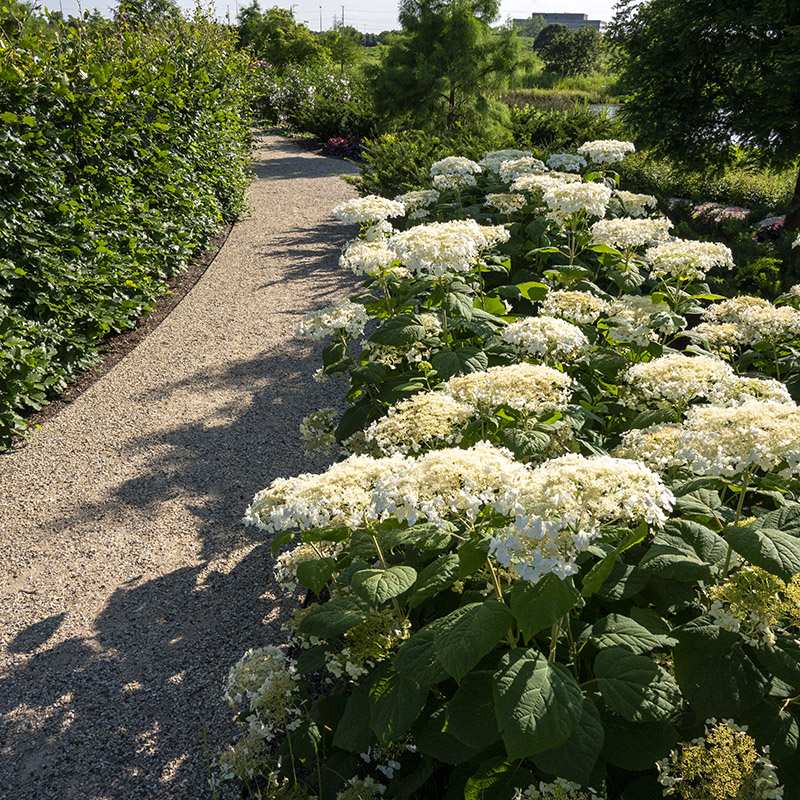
115,347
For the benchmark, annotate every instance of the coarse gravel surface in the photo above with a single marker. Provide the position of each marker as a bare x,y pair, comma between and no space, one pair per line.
128,585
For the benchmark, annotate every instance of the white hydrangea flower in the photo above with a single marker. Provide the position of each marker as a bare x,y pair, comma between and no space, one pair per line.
639,319
448,481
721,337
796,242
455,165
687,260
454,183
528,388
559,789
756,319
343,316
534,546
729,440
422,421
506,203
418,199
496,158
441,247
606,151
627,233
587,492
286,564
737,390
632,204
584,308
536,184
675,379
527,165
566,162
362,789
367,258
339,496
368,210
655,446
549,338
564,199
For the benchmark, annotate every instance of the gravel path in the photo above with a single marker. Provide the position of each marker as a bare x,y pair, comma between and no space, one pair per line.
128,585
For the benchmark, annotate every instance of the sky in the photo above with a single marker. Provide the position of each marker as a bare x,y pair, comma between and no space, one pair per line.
366,15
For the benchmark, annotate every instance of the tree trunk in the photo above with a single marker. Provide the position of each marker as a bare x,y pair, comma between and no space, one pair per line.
793,216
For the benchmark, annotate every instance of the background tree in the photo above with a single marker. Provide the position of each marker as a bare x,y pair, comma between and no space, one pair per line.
547,34
572,52
446,64
274,36
530,27
706,76
146,12
343,43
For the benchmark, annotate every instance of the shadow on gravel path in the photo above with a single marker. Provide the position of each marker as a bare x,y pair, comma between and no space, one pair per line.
128,585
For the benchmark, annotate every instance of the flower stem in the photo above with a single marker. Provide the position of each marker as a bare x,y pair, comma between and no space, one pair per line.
745,483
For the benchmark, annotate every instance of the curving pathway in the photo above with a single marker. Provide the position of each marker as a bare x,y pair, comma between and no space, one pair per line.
128,585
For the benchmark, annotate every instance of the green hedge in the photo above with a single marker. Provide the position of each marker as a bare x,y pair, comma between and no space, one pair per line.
121,153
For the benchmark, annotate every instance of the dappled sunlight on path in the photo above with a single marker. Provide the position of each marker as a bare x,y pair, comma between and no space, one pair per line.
128,583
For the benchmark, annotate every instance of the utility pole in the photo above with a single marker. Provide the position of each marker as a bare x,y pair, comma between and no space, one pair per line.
320,19
343,16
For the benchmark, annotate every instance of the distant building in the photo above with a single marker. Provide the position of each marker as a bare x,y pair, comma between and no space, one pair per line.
572,21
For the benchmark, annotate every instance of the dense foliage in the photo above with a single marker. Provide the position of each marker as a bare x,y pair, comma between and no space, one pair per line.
446,65
122,152
704,75
562,548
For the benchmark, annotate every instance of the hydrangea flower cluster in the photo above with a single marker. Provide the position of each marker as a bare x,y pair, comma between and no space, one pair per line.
362,789
686,260
537,184
371,641
442,247
548,338
566,162
505,203
368,210
564,199
418,202
316,430
266,680
454,173
588,492
559,789
655,446
425,420
343,317
584,308
510,171
340,495
755,435
528,388
286,564
749,603
755,319
449,481
627,233
639,319
631,204
675,380
725,763
720,337
606,151
369,258
559,511
496,158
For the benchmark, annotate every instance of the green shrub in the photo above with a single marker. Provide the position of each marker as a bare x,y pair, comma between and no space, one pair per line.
543,129
123,153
